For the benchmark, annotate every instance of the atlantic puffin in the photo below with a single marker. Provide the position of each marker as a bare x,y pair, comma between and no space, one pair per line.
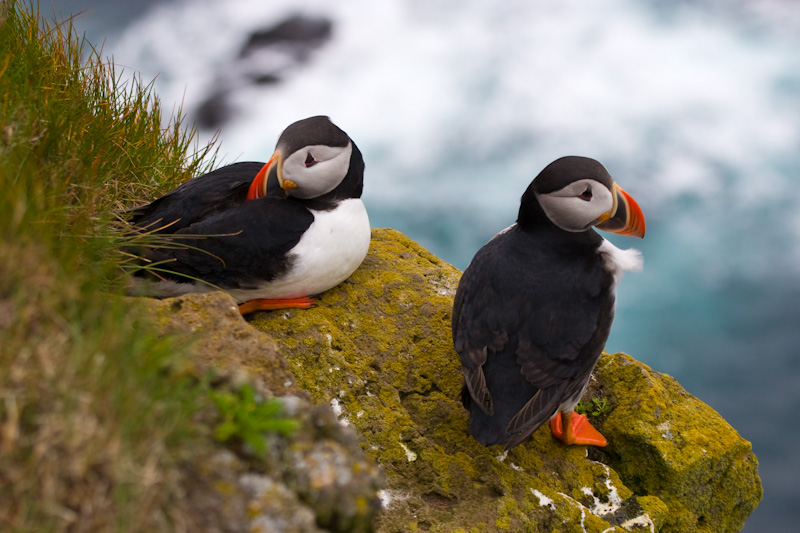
270,234
533,309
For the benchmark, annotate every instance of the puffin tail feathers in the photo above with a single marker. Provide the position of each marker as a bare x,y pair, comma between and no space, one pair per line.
533,414
475,384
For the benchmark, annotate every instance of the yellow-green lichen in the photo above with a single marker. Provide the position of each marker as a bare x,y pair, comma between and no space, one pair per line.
684,448
380,346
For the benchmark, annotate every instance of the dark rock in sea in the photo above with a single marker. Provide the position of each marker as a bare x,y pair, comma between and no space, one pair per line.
299,33
214,111
266,79
265,59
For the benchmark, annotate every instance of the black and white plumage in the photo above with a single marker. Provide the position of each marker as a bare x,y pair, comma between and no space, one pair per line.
534,308
287,229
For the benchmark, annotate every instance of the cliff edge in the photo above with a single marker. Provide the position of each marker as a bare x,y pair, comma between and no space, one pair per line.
377,349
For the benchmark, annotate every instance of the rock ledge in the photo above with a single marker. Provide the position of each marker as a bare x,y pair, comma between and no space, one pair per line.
377,349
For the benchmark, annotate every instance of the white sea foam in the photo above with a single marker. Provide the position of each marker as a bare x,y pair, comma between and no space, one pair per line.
440,93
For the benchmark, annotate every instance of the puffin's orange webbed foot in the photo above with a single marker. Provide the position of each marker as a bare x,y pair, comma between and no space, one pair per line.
268,304
575,429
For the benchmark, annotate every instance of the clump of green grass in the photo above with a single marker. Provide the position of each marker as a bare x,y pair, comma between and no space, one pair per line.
247,418
93,430
594,407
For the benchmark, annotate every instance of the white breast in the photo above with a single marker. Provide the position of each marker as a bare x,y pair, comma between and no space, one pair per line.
330,250
618,261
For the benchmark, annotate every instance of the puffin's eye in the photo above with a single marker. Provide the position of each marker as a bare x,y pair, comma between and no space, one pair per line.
586,195
310,161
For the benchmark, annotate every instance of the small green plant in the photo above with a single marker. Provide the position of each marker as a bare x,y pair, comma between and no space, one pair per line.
247,417
596,407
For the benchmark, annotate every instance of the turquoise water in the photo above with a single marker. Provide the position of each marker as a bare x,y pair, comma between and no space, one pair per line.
694,107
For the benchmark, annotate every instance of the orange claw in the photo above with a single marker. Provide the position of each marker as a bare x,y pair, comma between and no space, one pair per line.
578,430
266,304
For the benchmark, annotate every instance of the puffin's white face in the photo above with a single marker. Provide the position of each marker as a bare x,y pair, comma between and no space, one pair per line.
579,206
315,170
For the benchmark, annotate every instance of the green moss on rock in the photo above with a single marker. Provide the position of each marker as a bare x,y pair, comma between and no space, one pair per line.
687,455
312,480
378,348
221,340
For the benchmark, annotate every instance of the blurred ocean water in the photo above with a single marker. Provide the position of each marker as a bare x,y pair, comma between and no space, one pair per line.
694,108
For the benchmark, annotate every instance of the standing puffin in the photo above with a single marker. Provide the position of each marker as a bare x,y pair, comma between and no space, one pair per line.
534,308
272,235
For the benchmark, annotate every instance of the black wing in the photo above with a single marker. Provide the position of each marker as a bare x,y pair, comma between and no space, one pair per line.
238,247
200,198
548,303
476,331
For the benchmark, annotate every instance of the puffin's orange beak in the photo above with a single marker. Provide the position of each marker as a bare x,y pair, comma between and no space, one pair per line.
258,189
626,218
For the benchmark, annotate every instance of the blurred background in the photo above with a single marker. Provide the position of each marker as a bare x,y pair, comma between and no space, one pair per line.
693,106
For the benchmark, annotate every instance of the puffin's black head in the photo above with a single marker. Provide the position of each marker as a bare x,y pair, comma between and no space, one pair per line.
313,158
577,193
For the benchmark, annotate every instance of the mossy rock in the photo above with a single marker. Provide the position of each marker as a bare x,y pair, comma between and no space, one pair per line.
211,326
686,454
378,349
312,480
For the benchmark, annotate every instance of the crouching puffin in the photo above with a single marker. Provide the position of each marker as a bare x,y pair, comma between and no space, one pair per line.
272,235
534,308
